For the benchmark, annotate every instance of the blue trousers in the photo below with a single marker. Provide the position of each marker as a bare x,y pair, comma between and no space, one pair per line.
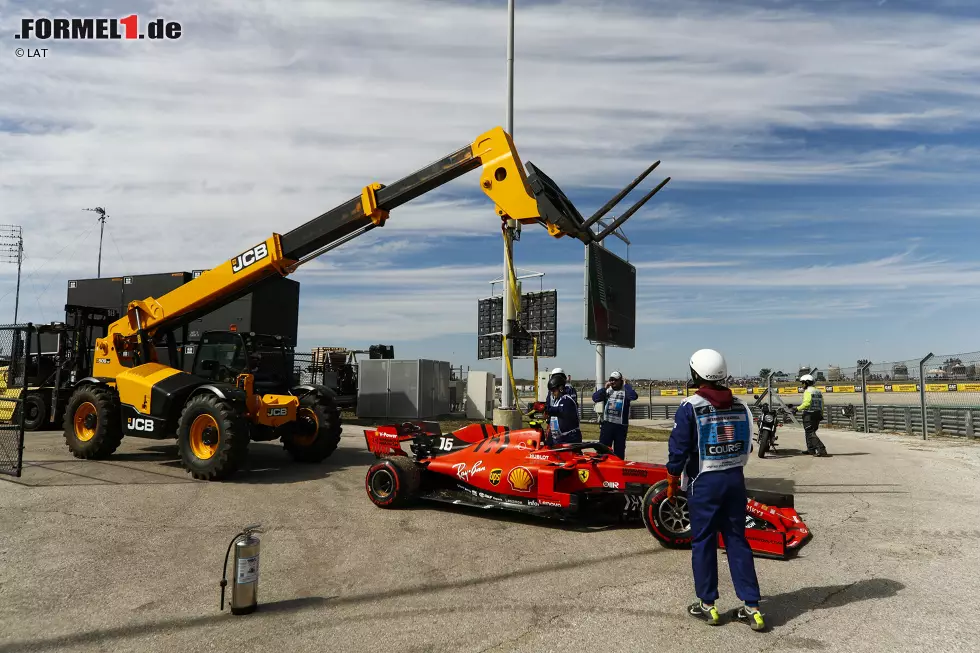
614,435
717,505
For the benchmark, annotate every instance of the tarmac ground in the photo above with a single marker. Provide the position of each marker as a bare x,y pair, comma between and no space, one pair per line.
125,555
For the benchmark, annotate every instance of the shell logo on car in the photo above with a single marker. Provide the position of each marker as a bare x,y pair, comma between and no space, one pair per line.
520,479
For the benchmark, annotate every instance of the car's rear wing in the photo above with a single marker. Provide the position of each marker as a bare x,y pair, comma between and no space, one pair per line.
386,440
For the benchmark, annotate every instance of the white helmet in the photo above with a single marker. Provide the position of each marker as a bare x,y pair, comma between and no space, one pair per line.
557,370
806,378
709,365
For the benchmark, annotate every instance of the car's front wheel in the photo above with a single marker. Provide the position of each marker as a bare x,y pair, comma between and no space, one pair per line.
669,522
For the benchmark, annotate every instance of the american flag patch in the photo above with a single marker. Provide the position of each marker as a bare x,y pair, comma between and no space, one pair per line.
726,433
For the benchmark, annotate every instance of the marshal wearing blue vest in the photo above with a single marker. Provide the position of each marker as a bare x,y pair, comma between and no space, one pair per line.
709,446
562,411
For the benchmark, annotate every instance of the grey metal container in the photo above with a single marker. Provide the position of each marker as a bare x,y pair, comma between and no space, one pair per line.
409,389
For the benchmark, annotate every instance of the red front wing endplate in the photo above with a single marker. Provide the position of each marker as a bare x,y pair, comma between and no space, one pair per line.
783,532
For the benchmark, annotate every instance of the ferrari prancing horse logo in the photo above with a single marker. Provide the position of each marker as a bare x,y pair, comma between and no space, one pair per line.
583,475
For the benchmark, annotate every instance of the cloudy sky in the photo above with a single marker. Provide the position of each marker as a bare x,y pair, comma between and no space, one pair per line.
824,158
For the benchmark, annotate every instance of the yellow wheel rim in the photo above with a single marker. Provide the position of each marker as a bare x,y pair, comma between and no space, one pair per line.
200,428
307,440
86,421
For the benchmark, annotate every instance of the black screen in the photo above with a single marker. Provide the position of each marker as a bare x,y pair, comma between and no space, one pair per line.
611,304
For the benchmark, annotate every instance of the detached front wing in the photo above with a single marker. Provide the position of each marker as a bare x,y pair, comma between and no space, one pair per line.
773,532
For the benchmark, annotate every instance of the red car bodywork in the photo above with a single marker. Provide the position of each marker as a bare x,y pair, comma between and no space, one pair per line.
483,464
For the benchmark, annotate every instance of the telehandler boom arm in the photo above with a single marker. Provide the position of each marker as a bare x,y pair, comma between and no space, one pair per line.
532,198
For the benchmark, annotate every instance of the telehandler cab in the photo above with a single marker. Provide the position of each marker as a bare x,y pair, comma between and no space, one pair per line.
233,396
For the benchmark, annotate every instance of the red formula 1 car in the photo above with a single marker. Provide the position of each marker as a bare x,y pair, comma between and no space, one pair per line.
487,466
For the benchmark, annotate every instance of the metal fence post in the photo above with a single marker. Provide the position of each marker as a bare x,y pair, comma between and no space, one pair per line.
864,392
922,395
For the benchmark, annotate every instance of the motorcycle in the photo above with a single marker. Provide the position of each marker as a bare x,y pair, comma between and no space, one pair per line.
768,423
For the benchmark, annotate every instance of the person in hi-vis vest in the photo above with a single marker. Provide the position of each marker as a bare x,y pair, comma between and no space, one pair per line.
616,396
812,408
708,447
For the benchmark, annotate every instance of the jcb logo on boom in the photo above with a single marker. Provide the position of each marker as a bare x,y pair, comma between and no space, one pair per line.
249,258
278,412
139,424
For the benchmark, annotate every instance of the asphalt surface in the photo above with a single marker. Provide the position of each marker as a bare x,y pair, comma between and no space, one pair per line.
125,555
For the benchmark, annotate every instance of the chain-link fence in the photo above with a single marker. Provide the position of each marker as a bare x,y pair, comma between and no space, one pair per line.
304,369
951,393
14,372
932,394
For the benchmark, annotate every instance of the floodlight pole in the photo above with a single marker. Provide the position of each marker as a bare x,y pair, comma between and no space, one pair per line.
511,234
12,244
101,212
98,271
20,258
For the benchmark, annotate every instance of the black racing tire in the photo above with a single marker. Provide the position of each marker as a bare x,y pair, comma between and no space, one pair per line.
763,442
319,412
92,425
669,524
212,437
393,482
35,412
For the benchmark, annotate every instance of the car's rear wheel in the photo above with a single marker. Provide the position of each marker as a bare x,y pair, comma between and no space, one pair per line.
393,482
669,522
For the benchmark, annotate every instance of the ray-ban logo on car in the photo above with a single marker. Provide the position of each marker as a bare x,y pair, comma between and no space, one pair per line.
249,257
98,29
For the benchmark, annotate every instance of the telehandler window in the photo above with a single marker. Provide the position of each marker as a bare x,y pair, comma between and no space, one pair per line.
220,357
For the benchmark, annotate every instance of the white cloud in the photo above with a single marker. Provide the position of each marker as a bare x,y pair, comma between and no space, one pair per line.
265,114
896,272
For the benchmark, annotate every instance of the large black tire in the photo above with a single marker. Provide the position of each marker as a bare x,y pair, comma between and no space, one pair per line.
93,427
763,442
393,482
316,432
669,523
36,412
212,438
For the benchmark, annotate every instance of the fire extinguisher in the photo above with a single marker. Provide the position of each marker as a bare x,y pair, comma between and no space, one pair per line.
245,582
